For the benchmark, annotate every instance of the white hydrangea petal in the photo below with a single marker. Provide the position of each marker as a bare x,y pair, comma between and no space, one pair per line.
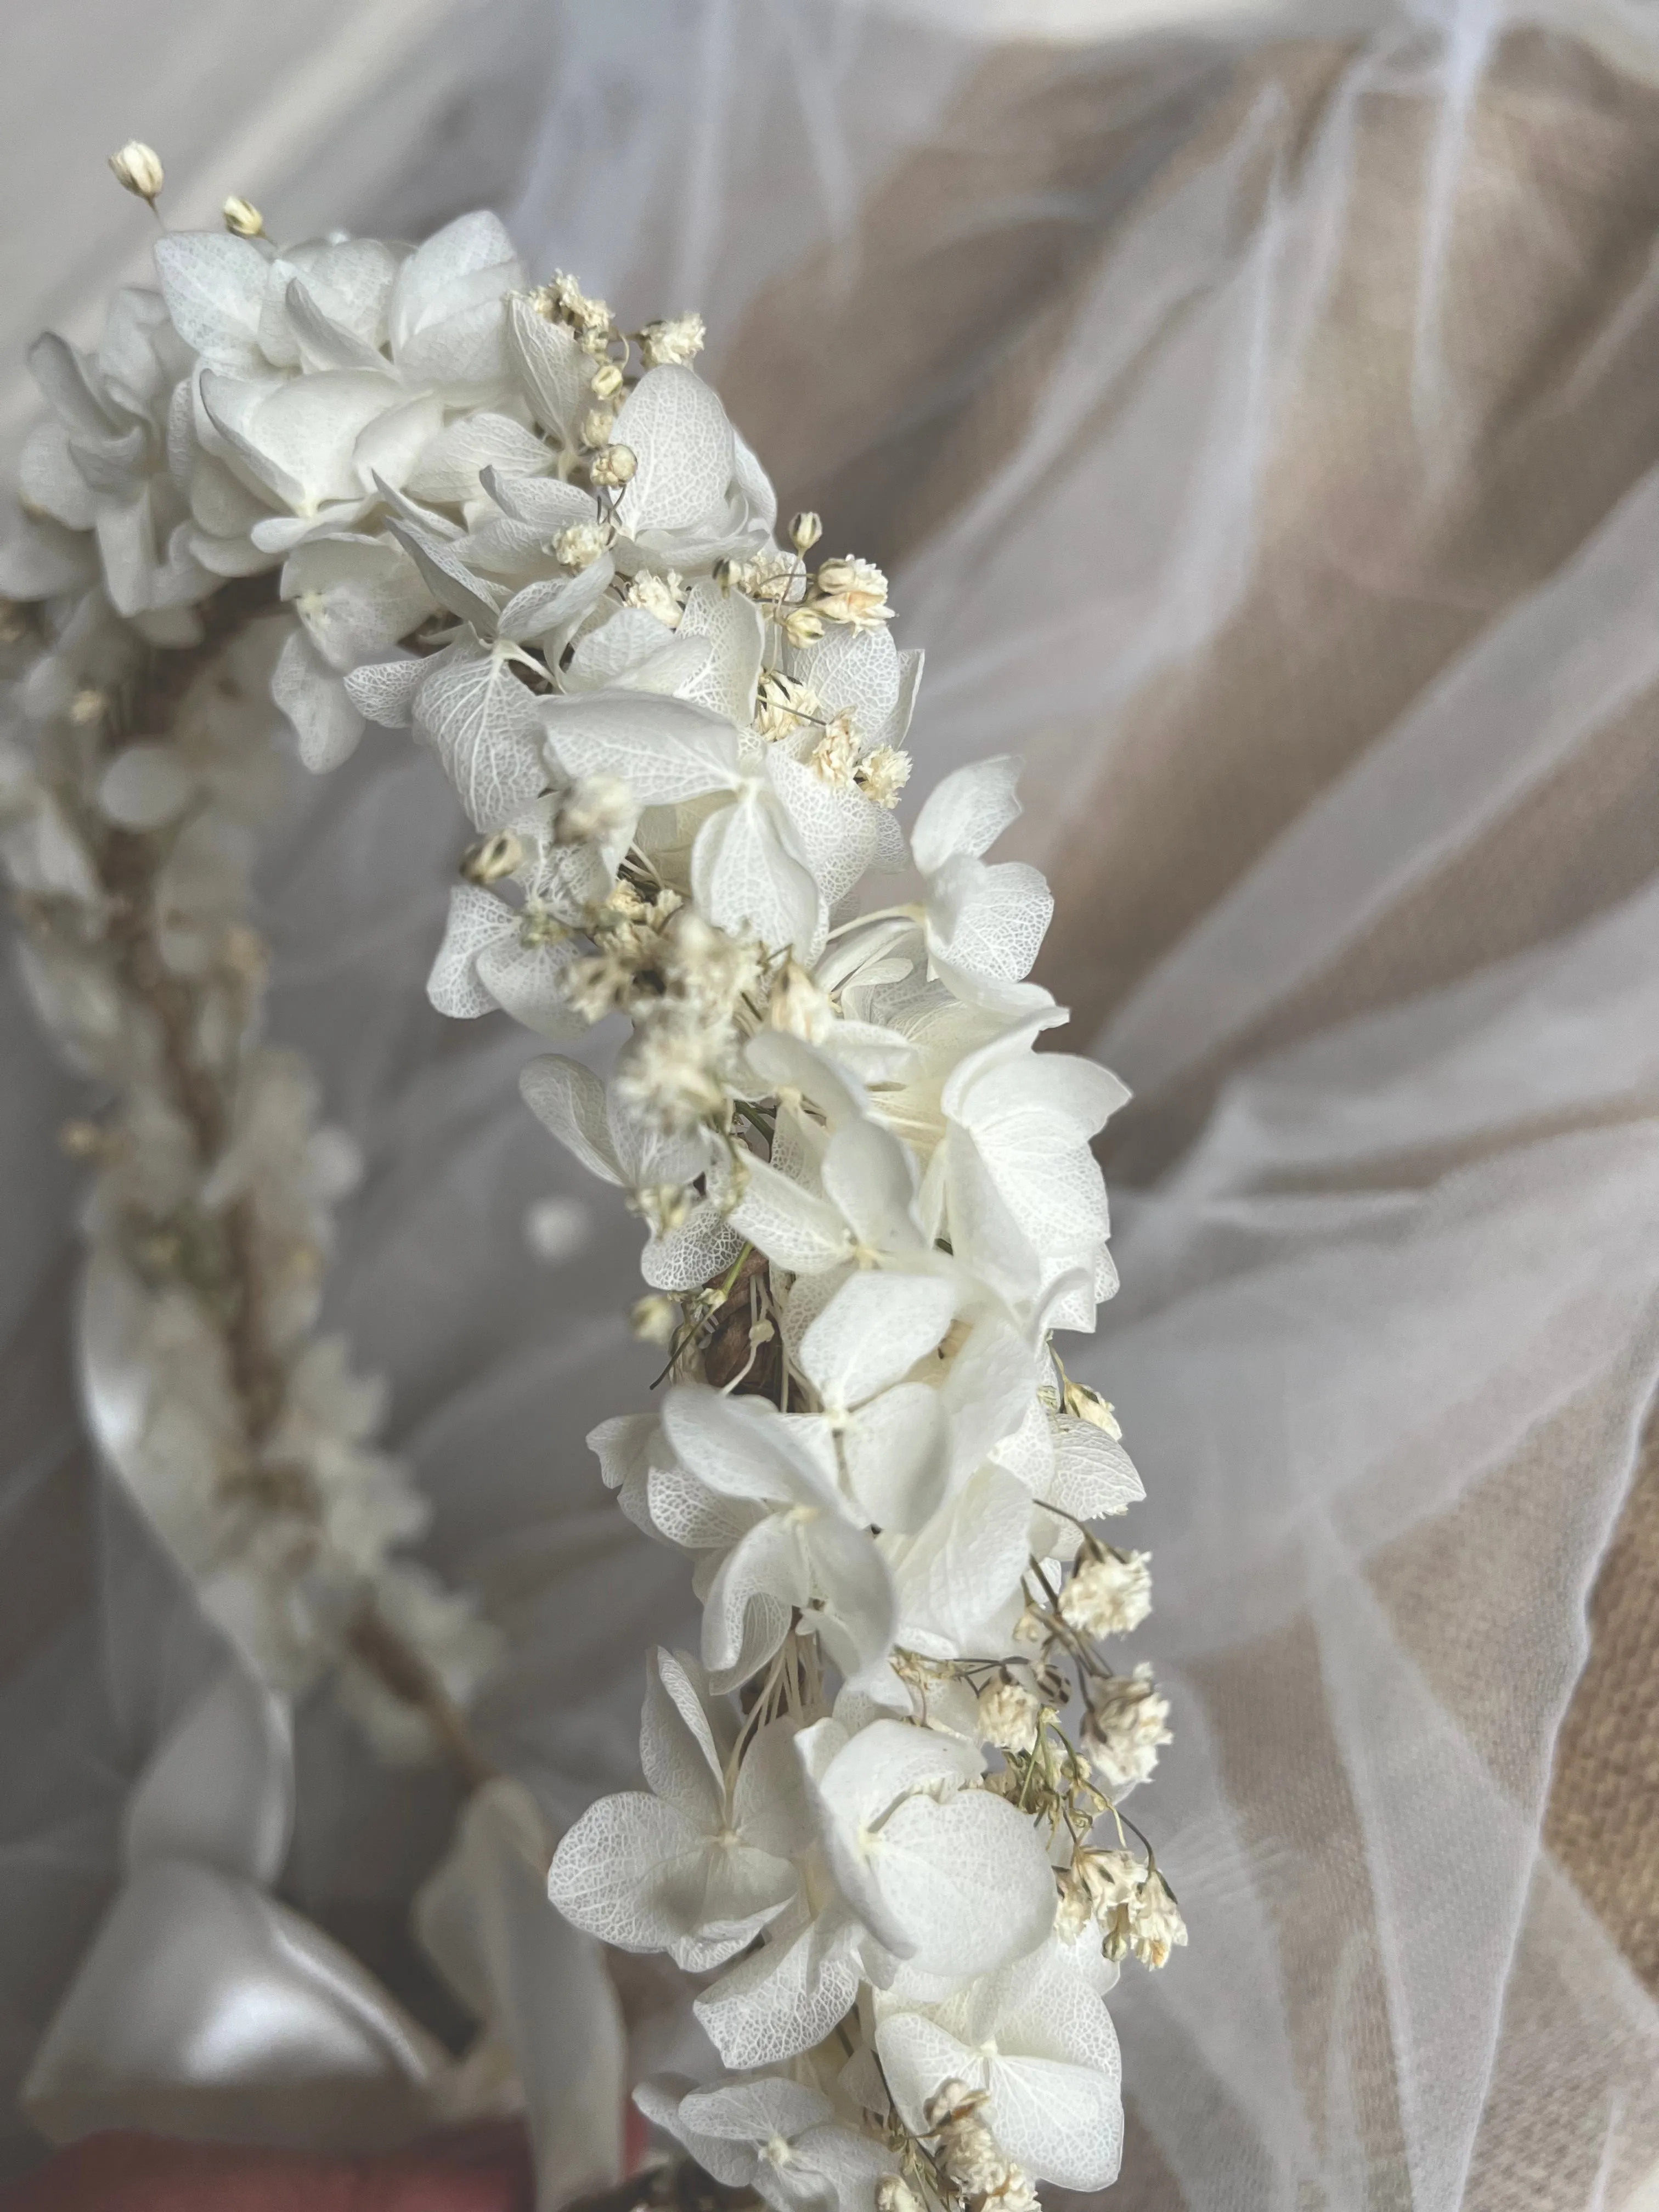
552,371
897,727
545,505
771,1804
797,1229
702,1246
621,1872
1093,1475
676,429
966,811
747,876
783,2000
569,1099
835,831
743,1447
897,1458
790,1065
748,1607
689,1514
527,982
662,2101
384,691
964,1566
214,287
855,1612
754,2112
917,2054
872,1332
50,480
448,470
666,751
871,1177
678,1754
448,577
356,596
968,1881
989,920
316,701
482,724
736,632
622,1446
323,343
477,919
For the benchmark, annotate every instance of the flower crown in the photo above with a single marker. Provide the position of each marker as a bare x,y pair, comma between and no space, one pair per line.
882,1824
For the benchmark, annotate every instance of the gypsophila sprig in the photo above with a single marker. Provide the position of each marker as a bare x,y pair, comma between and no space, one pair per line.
880,1819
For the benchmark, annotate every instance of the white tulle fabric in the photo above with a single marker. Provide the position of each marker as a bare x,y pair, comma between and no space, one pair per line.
1391,1313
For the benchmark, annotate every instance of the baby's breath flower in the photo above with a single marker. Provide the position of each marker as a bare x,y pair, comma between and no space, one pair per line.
612,466
805,530
894,2194
1109,1595
773,578
1008,1715
662,596
835,758
670,344
801,626
606,380
241,218
883,775
597,808
1087,1405
707,967
581,545
1134,1906
781,705
597,426
1128,1721
138,168
669,1071
851,592
563,300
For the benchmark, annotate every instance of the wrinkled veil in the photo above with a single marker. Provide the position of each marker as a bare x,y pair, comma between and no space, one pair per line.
1258,412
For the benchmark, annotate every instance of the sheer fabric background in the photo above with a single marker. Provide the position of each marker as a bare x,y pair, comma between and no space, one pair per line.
1260,415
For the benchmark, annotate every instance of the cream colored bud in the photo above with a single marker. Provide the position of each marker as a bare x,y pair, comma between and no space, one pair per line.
606,381
1087,1405
803,627
138,168
805,530
581,545
242,218
492,857
597,425
894,2194
87,708
613,466
671,343
654,1319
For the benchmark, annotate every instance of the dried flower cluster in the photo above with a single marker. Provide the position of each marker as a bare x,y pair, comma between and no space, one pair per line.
136,761
874,1794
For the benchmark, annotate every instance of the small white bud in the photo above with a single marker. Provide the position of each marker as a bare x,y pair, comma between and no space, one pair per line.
1088,1405
803,627
805,530
894,2194
580,545
138,168
242,218
606,381
597,426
